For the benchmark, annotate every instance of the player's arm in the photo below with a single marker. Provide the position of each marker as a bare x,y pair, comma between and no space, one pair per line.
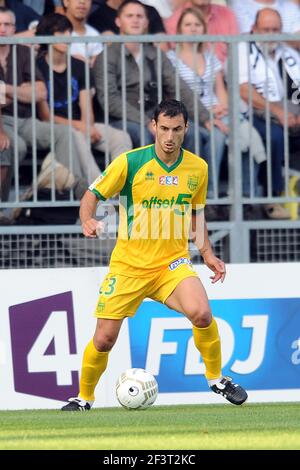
201,240
88,206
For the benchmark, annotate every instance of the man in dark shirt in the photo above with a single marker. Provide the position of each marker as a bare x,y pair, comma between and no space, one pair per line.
104,18
82,121
132,20
29,91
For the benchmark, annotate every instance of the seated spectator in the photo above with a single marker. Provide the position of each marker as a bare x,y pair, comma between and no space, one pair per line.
77,11
202,71
25,83
246,11
26,17
99,135
104,18
266,64
219,19
132,20
5,168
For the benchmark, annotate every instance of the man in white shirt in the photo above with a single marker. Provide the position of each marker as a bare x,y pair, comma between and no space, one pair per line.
246,11
77,11
267,62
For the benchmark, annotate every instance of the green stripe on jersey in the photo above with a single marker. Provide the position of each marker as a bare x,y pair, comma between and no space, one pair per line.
136,159
99,195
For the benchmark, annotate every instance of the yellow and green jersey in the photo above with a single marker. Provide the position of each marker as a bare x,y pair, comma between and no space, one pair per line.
155,207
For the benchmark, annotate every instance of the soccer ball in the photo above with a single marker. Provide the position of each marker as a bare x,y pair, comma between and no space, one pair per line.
136,389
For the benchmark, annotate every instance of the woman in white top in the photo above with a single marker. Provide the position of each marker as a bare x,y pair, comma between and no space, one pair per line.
202,71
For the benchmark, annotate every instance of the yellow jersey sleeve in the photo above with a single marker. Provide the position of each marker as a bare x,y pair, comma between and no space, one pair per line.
199,198
112,179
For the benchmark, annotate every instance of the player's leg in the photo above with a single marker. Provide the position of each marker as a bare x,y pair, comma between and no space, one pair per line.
183,291
94,363
190,298
120,297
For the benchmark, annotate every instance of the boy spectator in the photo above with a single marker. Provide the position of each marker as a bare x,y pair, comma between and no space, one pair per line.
77,11
23,120
118,141
104,18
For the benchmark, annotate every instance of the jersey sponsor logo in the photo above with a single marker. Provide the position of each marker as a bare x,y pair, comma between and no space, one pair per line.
156,203
168,180
149,176
178,262
193,182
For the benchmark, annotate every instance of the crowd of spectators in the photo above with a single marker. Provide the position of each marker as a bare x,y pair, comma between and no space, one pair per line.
202,70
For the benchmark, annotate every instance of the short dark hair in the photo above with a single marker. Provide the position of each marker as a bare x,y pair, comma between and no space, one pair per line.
53,23
170,108
135,2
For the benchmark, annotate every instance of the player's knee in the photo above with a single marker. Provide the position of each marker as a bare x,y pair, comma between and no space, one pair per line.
202,319
104,343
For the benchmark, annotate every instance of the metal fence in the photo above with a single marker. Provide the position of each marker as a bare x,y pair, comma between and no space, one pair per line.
236,238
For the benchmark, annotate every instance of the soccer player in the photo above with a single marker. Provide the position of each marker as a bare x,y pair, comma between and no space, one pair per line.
162,190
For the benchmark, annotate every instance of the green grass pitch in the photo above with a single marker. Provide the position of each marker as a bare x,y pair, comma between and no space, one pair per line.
251,426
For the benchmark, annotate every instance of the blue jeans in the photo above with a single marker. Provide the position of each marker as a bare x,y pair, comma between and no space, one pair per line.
277,151
246,176
214,162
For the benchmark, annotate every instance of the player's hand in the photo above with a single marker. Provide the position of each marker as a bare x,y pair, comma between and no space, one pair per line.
216,265
92,228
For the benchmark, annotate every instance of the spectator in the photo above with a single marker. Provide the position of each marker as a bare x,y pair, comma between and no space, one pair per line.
104,18
44,7
203,71
266,65
118,141
77,11
219,19
247,9
25,16
25,82
132,20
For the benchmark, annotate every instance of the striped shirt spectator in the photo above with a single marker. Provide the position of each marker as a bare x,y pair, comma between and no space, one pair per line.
204,84
219,20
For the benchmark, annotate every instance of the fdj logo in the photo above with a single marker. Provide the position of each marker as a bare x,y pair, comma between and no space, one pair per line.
43,342
162,343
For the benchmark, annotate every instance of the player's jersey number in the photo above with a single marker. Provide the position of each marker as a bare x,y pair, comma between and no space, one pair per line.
109,286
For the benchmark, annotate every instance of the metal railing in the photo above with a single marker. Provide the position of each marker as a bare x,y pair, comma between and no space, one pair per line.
236,229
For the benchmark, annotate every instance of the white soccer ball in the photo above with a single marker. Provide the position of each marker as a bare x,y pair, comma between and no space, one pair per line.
136,389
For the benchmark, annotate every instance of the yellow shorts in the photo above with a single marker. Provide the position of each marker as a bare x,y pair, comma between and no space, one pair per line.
120,296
